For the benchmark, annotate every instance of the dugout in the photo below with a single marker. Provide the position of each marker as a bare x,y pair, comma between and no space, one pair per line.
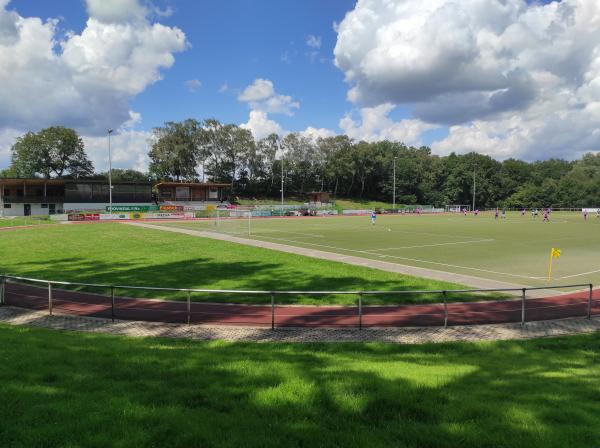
319,197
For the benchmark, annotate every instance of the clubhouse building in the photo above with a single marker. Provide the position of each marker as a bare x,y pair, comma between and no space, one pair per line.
24,197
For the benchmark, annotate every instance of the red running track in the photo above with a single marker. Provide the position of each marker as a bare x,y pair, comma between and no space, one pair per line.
459,313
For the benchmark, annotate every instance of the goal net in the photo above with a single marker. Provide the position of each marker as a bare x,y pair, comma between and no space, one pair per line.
457,208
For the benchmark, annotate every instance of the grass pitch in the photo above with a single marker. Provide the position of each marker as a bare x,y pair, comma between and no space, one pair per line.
69,389
125,255
514,250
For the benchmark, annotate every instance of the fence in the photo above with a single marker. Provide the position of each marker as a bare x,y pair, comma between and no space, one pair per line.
60,296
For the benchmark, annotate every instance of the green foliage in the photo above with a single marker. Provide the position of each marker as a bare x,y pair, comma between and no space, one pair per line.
55,151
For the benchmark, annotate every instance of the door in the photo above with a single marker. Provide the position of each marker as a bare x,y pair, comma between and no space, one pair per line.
27,209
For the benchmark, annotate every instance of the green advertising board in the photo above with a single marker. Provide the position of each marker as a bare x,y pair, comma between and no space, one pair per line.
133,208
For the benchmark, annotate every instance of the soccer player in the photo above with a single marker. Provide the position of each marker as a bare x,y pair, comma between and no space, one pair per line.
503,213
373,217
585,215
523,212
496,214
546,216
534,213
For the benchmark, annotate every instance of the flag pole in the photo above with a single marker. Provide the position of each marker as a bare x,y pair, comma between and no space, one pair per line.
550,265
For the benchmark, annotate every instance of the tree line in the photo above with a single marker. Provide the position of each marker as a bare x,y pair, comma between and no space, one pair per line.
208,150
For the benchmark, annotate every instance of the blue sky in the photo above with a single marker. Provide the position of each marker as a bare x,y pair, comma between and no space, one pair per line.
235,42
507,78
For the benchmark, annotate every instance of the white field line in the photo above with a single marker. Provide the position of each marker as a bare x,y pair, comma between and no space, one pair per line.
579,275
408,259
487,240
310,235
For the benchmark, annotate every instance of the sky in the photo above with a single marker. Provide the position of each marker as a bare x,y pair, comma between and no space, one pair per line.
507,78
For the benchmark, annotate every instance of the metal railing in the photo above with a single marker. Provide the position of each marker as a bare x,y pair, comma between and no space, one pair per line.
110,302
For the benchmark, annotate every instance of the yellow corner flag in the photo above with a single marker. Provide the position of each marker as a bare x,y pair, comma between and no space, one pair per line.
554,253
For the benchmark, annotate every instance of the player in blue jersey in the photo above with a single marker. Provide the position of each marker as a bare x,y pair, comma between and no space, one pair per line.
373,218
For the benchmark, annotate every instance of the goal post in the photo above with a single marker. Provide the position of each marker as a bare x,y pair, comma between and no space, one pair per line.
234,222
457,208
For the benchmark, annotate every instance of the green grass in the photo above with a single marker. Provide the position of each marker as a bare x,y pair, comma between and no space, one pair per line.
124,255
25,221
515,250
86,390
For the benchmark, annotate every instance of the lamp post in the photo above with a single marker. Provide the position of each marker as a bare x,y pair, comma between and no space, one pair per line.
394,192
109,174
282,184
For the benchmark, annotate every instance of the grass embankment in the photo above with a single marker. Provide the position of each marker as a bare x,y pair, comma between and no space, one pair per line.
118,254
98,390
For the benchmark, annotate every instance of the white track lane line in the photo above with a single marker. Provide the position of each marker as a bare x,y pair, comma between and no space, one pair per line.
408,259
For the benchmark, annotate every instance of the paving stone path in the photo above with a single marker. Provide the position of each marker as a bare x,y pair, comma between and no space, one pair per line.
24,317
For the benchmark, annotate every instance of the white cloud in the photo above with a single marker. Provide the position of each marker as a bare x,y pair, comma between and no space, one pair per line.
376,125
259,90
315,133
88,82
511,78
115,11
223,88
129,149
261,95
193,84
313,41
7,140
261,126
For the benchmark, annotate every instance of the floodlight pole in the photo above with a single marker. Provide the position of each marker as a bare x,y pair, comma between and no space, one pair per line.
473,209
282,184
109,174
394,192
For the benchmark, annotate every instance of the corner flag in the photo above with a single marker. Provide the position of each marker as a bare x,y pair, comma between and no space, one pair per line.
554,253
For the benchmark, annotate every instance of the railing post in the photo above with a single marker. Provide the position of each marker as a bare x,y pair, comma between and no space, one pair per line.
112,303
589,310
50,298
272,311
189,307
360,311
2,289
523,307
444,294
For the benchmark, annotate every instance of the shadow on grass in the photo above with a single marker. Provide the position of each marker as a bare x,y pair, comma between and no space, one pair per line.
206,273
91,390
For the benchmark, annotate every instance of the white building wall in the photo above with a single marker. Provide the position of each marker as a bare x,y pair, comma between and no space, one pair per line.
19,209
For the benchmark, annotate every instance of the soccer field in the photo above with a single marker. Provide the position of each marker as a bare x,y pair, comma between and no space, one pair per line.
514,250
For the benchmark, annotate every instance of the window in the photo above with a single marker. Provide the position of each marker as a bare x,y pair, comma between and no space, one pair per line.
51,209
19,192
7,205
44,205
7,192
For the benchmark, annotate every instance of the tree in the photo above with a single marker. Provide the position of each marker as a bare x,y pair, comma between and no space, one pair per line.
175,150
57,151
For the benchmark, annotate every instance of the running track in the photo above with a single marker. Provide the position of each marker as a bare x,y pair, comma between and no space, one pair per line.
464,313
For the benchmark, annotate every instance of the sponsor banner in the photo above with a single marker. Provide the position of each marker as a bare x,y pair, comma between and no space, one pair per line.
83,217
590,210
132,208
108,216
171,208
60,217
357,212
136,215
165,215
326,212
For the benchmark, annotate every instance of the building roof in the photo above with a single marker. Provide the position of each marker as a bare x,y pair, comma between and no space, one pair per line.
16,181
190,184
